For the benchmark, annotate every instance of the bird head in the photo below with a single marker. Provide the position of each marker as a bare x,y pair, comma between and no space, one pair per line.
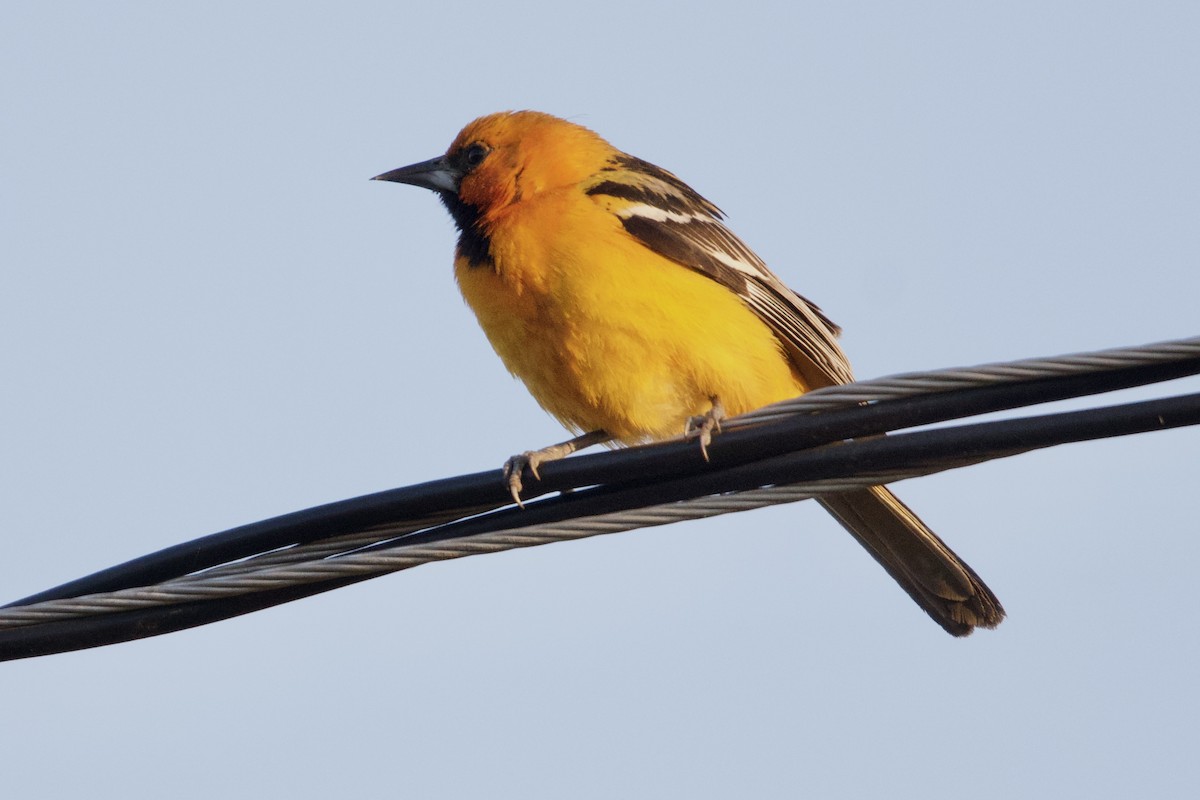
503,159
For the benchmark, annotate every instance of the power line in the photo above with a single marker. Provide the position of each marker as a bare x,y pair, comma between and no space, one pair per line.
792,451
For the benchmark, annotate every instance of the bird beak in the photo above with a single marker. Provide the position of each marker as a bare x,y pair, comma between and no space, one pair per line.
435,174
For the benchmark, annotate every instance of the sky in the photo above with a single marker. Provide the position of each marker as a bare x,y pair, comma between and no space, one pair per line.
210,316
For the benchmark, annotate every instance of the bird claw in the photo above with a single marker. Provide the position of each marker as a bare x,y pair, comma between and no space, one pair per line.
703,427
515,467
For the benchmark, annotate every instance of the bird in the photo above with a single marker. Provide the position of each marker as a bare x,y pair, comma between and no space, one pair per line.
632,313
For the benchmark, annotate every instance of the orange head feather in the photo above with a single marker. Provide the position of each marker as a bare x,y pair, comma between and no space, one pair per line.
523,154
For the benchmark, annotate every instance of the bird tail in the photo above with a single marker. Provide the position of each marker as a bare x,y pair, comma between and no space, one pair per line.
937,579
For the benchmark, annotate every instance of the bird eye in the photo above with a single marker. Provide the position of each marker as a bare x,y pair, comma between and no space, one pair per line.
474,155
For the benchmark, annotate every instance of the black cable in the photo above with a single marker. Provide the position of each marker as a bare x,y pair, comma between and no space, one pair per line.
486,489
926,448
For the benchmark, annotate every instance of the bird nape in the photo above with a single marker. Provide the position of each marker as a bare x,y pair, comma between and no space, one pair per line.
632,313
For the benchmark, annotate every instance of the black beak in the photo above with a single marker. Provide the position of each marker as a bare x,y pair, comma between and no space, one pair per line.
435,174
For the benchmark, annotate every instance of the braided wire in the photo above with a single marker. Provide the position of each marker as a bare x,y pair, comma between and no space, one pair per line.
277,573
343,556
911,384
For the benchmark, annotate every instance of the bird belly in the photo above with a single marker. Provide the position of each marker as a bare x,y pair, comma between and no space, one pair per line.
625,343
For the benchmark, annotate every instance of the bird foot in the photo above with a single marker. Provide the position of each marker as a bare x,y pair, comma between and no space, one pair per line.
704,426
514,467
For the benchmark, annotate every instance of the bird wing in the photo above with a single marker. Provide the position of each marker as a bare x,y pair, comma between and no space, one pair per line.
673,220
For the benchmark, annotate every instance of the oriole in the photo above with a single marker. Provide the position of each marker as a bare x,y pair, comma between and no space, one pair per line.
628,308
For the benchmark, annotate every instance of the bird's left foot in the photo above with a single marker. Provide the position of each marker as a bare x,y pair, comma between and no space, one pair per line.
704,426
515,467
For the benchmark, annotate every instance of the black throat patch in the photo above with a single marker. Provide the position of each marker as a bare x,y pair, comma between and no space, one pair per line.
473,243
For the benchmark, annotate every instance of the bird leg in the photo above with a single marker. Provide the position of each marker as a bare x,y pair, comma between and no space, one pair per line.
705,425
515,466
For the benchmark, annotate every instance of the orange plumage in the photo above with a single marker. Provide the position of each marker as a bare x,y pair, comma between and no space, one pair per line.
619,297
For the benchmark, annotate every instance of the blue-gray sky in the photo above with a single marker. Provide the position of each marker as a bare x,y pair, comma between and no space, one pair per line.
209,316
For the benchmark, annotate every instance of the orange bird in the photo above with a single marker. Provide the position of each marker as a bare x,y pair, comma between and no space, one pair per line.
632,313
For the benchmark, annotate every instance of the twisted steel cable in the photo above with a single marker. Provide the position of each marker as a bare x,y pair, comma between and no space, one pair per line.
409,535
911,384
